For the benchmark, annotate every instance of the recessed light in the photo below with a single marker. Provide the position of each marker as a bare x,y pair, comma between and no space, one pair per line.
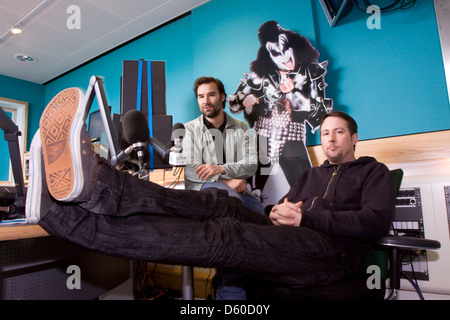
25,58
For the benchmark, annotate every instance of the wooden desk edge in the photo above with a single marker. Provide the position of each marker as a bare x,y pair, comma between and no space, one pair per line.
17,232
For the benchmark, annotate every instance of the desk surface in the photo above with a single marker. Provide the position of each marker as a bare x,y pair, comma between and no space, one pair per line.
21,232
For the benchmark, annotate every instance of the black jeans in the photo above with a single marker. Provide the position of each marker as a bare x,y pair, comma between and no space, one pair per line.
137,219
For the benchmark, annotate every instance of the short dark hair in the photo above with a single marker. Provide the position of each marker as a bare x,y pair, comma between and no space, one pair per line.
219,84
351,123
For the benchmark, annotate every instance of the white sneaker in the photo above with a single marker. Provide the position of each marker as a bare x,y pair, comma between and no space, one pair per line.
34,190
60,126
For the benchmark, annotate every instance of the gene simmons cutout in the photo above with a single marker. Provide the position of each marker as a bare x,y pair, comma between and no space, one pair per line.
284,91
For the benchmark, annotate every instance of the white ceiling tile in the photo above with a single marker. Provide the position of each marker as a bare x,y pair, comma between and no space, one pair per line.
105,24
128,13
194,3
49,39
166,12
120,35
59,67
20,6
9,18
86,53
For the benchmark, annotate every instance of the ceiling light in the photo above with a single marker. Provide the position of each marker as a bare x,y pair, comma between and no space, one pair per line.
16,30
22,22
25,58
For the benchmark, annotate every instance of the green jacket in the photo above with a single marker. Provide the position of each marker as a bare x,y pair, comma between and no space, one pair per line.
198,146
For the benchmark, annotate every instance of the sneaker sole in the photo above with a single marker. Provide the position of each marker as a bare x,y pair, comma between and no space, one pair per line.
34,190
60,127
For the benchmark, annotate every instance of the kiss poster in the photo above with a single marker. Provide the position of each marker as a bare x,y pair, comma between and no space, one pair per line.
281,97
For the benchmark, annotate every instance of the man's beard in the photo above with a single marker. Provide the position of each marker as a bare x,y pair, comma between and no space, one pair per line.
212,113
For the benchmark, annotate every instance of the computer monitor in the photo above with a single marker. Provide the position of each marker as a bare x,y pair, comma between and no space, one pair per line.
95,127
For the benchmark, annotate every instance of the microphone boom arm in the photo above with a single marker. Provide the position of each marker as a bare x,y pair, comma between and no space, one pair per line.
96,89
158,147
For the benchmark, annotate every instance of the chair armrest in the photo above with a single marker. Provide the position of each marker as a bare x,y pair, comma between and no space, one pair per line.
408,243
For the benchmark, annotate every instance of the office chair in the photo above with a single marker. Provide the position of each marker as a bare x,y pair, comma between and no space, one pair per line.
385,253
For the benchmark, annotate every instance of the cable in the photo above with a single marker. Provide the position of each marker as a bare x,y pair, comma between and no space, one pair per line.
393,229
415,285
206,285
396,5
414,282
140,270
176,172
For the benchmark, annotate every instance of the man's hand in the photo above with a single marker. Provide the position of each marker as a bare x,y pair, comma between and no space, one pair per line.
206,171
238,185
287,213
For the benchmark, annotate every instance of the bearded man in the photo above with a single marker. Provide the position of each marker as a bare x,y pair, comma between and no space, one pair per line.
217,147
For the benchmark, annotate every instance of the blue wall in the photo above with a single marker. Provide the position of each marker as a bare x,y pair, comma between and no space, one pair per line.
30,92
391,80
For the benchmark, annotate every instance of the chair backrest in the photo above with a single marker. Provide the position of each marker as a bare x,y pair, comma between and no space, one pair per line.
378,255
397,175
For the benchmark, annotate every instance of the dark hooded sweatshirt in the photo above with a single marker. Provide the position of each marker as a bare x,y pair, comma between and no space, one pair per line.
354,202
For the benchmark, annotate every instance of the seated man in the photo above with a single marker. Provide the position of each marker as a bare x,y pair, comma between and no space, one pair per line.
220,156
316,235
217,147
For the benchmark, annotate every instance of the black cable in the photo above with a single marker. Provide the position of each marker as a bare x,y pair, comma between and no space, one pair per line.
415,285
415,278
206,285
393,229
396,5
414,282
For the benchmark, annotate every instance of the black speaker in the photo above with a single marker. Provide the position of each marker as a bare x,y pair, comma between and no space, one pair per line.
136,81
140,80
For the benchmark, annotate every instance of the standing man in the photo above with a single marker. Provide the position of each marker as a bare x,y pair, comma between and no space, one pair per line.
217,146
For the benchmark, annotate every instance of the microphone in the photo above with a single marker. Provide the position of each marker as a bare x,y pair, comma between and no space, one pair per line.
136,132
176,157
